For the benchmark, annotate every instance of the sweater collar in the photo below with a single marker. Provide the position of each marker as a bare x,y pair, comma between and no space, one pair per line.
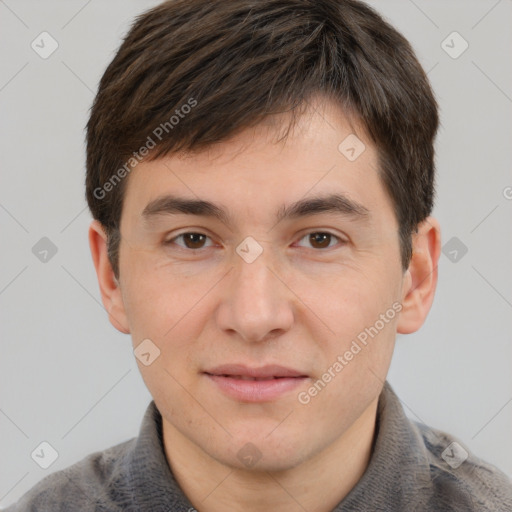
397,472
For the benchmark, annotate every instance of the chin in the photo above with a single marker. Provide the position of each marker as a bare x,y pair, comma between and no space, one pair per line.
263,455
268,463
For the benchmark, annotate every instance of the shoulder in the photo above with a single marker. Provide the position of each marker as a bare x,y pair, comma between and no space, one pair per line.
88,485
460,479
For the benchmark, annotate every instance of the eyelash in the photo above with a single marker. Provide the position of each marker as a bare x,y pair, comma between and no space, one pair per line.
172,240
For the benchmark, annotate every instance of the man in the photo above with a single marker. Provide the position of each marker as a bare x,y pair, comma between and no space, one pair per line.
261,175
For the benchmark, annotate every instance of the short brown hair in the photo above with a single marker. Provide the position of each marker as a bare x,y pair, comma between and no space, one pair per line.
233,63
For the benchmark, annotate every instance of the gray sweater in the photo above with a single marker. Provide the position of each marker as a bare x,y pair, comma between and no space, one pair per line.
413,468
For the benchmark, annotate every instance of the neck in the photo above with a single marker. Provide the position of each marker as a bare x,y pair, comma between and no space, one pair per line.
316,485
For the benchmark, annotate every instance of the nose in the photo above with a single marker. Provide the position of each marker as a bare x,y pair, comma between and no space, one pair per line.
256,304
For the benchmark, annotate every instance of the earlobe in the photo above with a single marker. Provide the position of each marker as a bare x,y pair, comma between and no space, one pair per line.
420,280
109,287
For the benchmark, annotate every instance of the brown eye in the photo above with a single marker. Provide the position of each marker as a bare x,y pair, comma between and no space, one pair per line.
321,239
191,240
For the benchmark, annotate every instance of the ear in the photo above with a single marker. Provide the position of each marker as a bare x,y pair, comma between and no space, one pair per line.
109,286
420,279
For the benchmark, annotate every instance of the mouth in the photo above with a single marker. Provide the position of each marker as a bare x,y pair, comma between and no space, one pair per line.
251,384
245,377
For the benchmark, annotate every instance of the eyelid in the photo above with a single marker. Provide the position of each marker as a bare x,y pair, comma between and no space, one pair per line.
189,231
340,239
323,232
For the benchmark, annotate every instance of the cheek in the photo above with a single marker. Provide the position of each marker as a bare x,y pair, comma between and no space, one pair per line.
361,313
157,299
351,300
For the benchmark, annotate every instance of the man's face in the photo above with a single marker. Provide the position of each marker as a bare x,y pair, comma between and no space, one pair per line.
291,302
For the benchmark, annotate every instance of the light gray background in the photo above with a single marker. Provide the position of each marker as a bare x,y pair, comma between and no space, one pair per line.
69,378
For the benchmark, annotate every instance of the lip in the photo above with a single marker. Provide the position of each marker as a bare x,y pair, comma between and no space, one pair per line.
251,384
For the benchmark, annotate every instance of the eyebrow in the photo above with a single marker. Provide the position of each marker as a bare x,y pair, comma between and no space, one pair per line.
338,204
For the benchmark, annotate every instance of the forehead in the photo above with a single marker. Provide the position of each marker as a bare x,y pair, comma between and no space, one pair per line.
251,173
